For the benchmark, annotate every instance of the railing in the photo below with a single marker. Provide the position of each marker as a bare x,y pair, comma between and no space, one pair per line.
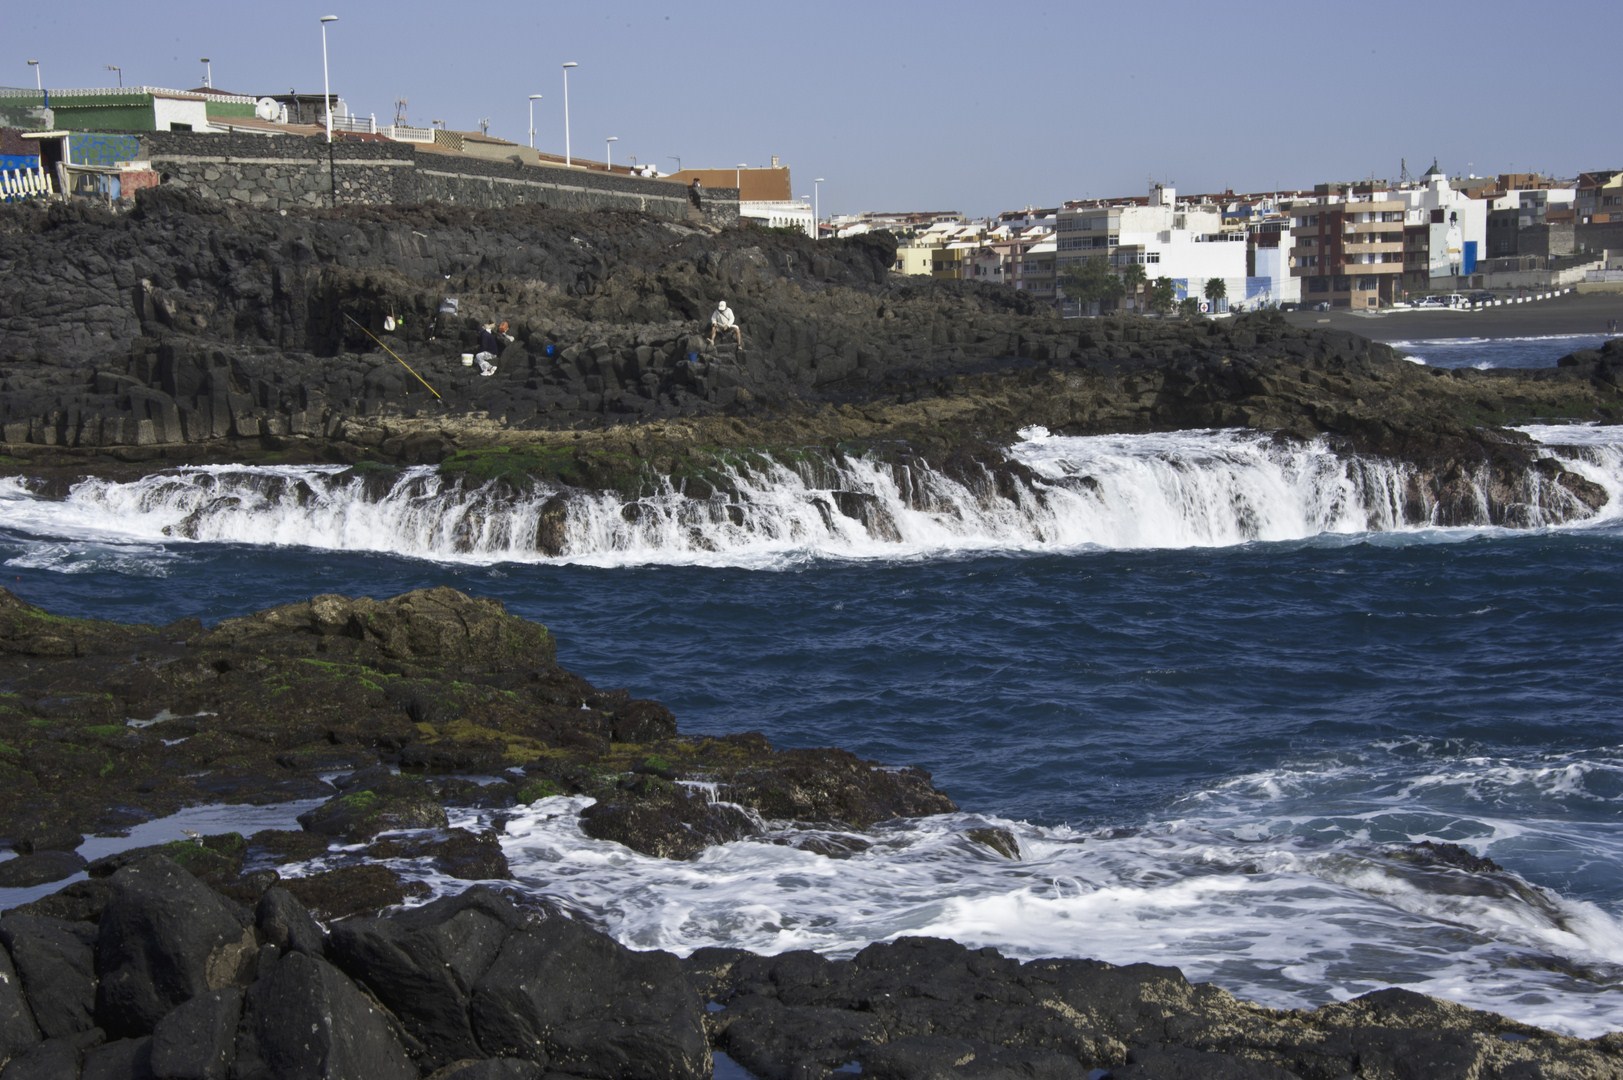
17,184
407,133
355,125
368,125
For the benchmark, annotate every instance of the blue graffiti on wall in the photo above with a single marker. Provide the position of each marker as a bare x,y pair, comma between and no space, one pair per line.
19,161
104,150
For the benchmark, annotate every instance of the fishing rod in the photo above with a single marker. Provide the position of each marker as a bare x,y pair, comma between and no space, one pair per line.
391,352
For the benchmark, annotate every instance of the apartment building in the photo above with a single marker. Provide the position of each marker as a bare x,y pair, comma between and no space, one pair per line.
1036,272
1598,204
1269,281
1366,244
1529,216
1186,242
1347,245
1000,259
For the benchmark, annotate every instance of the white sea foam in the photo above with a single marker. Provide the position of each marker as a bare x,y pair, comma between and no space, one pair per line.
1159,491
1285,912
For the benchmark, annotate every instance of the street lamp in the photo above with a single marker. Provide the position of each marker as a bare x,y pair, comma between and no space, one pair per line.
817,213
115,67
533,99
567,65
326,87
208,72
678,162
608,152
38,84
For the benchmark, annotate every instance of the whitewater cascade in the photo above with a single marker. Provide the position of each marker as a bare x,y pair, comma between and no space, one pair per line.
1174,490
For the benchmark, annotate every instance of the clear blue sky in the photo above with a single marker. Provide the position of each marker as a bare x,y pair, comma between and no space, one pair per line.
952,104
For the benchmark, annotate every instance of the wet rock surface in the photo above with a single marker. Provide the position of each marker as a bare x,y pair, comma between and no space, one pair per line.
168,978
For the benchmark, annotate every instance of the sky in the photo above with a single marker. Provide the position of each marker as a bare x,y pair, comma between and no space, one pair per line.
976,107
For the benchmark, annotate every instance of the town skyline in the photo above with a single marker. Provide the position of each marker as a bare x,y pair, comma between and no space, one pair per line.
938,108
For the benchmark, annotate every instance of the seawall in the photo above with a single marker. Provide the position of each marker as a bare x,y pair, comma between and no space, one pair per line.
286,172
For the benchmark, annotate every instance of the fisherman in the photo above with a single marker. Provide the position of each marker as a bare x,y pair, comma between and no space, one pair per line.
723,319
490,346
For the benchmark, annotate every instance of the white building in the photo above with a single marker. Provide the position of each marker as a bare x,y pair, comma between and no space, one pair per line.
1183,242
779,214
1455,225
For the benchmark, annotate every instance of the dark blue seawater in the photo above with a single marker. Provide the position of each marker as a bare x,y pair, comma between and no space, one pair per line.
1528,352
1080,689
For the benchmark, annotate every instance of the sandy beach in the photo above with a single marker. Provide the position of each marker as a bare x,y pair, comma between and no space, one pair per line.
1570,314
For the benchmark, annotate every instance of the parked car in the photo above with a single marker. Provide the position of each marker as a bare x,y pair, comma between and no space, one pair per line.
1322,305
1430,301
1481,296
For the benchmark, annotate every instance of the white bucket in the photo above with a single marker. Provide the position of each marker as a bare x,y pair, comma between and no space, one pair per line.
467,359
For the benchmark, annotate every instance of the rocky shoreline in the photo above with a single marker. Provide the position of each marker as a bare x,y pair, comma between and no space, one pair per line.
186,332
224,956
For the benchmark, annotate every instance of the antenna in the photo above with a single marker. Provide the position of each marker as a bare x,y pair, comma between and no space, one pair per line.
484,125
400,112
1403,172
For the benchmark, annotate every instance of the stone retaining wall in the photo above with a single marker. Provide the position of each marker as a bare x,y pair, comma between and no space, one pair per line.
279,172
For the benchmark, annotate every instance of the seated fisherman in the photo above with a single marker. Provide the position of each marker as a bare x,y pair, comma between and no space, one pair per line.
723,319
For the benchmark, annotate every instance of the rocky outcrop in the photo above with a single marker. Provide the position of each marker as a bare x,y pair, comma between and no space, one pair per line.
189,331
102,724
164,978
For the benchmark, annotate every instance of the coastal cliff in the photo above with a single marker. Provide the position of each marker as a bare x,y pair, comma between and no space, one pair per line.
188,331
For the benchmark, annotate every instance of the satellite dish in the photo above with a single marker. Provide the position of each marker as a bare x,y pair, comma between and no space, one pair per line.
267,109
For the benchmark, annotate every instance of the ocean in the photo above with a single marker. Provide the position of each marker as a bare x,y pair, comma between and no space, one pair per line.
1213,687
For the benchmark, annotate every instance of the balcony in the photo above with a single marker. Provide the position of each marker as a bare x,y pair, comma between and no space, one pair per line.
1373,247
1371,226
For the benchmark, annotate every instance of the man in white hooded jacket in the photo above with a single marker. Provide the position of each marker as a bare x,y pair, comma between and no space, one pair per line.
722,319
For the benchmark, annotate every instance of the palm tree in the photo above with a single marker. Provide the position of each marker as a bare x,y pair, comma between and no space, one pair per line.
1161,295
1216,290
1133,278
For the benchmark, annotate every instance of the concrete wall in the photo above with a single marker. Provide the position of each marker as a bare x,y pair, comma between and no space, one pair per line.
284,171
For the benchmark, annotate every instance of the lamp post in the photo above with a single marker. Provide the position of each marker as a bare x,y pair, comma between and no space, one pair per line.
533,99
678,162
817,212
38,83
608,152
567,65
208,72
115,67
326,87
